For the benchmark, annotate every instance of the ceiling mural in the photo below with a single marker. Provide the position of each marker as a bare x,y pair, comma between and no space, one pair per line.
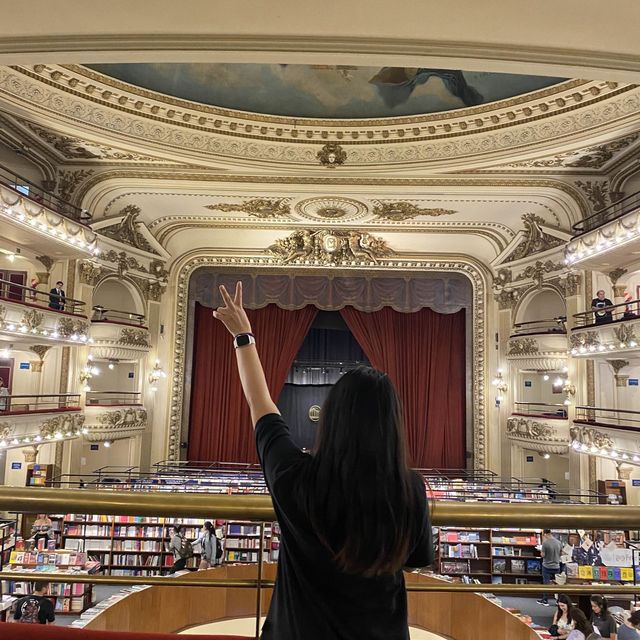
326,91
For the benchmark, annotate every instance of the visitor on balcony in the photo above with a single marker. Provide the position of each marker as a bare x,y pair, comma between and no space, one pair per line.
601,307
56,297
4,394
628,310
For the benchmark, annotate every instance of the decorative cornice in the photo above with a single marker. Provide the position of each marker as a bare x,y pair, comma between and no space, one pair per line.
126,231
258,207
63,424
535,240
406,210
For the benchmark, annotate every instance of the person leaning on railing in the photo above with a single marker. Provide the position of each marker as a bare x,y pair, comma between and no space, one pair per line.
4,396
601,307
352,514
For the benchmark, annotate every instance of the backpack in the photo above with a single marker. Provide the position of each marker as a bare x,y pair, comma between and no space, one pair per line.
30,611
218,548
186,549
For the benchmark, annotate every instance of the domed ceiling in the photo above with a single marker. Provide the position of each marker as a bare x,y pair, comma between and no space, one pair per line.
326,91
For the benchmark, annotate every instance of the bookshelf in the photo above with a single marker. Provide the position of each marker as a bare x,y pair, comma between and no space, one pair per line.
7,540
490,555
66,597
39,475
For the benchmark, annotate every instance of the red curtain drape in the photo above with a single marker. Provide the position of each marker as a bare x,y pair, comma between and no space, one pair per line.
220,424
424,354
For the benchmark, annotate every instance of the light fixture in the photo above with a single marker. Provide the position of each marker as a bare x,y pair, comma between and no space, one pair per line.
546,456
501,387
545,377
155,375
107,443
6,352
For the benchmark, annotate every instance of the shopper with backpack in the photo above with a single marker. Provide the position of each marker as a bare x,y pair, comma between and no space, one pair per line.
181,549
35,608
210,545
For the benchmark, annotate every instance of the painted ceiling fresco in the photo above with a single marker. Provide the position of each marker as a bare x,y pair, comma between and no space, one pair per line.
322,91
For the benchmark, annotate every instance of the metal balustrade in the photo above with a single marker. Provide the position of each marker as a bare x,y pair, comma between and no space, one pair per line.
28,296
37,194
102,314
540,410
18,404
533,327
113,398
607,214
629,310
623,419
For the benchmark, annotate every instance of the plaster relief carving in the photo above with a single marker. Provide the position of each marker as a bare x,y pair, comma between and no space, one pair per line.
134,337
531,429
507,299
597,193
590,437
570,284
625,334
32,319
535,239
127,232
257,207
584,339
329,248
331,155
69,326
63,424
69,181
90,272
523,347
401,210
121,423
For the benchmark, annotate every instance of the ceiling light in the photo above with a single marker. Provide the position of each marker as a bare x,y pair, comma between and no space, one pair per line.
111,366
107,443
545,377
546,456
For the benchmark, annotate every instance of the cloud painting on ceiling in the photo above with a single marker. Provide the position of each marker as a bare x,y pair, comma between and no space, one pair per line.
324,91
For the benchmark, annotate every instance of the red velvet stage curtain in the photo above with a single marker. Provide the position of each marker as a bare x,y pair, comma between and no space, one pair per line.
424,354
220,423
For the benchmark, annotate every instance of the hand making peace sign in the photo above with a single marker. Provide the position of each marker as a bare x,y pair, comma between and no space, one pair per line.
232,314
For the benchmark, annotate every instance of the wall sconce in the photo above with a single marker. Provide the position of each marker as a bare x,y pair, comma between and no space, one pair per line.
569,390
157,373
501,387
87,372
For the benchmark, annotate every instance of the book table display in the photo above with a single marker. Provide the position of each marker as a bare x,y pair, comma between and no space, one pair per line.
66,597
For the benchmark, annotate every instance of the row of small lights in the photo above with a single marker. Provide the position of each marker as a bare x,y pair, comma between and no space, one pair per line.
11,327
58,435
602,245
581,447
579,351
91,247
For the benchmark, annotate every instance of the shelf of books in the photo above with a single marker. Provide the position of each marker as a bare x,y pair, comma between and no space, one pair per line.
490,555
7,540
242,542
66,597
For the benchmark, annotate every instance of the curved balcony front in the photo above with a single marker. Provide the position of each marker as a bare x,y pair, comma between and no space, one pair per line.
616,333
543,351
119,335
108,417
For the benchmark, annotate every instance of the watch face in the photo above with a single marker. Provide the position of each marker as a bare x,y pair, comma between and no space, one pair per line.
243,340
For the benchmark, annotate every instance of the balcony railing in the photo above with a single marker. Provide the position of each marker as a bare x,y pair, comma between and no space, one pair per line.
45,403
540,410
548,325
621,419
12,292
607,214
102,314
629,310
37,194
113,398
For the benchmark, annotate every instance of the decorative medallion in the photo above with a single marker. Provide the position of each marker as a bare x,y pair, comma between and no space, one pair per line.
331,208
330,248
331,155
258,207
314,413
401,210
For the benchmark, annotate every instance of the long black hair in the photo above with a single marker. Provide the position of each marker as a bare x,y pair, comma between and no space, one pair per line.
601,602
564,599
580,621
360,495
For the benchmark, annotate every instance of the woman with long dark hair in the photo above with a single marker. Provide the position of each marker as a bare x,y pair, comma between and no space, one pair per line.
582,628
601,618
352,514
561,621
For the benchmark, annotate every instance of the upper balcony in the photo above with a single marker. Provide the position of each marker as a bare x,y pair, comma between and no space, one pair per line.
605,240
118,335
539,426
26,315
114,415
617,331
40,220
35,419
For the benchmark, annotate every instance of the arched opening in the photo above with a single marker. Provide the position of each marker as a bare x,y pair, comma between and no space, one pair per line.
542,311
116,295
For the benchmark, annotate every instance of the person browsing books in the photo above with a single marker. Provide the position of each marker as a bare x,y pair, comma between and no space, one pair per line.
35,608
352,514
550,552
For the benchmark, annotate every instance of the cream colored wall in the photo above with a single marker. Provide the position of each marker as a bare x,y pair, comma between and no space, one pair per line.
587,38
542,305
540,390
555,468
18,477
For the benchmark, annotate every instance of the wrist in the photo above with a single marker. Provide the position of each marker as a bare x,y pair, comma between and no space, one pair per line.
243,339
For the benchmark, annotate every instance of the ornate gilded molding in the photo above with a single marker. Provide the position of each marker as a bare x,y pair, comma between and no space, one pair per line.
331,155
590,437
46,261
540,436
331,208
71,326
597,193
402,210
6,430
63,424
134,337
257,207
570,284
507,299
625,334
123,262
616,274
32,320
116,424
523,347
576,107
535,239
69,181
537,271
127,232
90,272
329,248
40,349
584,339
462,265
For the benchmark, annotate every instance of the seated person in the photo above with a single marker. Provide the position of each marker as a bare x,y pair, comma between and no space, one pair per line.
629,629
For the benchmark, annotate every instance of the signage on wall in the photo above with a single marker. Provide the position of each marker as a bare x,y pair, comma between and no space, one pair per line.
635,482
130,374
632,382
25,365
529,458
528,383
95,447
16,465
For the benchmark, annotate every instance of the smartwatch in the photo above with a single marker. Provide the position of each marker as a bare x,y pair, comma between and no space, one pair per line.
243,339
